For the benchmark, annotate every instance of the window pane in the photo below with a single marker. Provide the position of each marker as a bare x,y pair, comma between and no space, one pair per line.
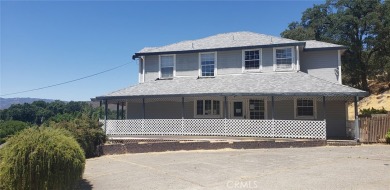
207,107
216,107
199,107
167,72
166,61
207,64
237,109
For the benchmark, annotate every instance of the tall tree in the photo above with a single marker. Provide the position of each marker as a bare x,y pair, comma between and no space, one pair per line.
361,25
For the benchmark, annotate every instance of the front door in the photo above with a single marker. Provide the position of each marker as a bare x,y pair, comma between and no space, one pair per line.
237,108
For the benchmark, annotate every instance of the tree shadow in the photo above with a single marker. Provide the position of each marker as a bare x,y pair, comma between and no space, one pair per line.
84,185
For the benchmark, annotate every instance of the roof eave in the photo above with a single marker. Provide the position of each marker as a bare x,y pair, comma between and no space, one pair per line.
326,94
325,48
136,55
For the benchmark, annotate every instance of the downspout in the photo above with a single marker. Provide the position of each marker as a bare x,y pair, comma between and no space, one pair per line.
339,65
298,64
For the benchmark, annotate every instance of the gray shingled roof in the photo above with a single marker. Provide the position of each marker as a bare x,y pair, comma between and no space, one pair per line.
313,44
287,84
233,40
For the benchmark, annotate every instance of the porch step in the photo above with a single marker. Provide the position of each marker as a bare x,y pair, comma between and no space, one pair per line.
342,143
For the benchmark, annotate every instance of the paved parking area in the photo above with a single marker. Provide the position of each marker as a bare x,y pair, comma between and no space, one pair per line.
360,167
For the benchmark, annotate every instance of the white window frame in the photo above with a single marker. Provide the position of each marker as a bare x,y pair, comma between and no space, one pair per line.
305,117
292,58
174,66
212,106
260,60
200,64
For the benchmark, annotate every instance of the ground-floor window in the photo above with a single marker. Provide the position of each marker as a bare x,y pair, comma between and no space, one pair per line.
305,108
208,108
256,109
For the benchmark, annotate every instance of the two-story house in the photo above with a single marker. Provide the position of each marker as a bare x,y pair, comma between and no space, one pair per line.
236,84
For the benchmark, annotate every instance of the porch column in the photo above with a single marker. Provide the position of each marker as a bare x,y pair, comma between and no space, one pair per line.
273,107
324,107
182,107
225,107
117,110
105,114
143,108
357,131
100,109
122,115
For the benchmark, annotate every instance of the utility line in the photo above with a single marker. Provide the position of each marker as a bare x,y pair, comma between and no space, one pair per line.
62,83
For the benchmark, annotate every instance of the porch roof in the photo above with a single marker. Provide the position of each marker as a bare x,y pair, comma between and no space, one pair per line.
249,84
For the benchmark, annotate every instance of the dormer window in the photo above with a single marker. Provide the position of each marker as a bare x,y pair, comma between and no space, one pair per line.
167,66
283,58
252,60
207,64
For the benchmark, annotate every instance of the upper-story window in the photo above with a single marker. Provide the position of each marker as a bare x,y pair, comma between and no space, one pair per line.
207,64
167,66
252,59
284,59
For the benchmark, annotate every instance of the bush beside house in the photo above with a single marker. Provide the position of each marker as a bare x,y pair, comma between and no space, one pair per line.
41,158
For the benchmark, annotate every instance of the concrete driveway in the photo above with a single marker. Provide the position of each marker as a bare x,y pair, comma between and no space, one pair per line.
360,167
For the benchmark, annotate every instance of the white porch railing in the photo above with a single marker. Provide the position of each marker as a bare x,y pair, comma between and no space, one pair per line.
218,127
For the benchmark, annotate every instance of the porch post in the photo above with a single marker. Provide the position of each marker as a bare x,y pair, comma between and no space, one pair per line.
105,115
182,107
122,115
100,109
143,108
182,115
357,132
117,110
324,107
273,107
225,108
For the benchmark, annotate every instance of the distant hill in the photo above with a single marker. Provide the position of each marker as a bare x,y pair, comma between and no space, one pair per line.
7,102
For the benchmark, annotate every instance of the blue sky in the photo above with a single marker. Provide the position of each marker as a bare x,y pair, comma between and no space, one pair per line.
44,43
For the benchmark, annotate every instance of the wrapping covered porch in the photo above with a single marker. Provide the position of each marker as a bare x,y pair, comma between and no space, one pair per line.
309,117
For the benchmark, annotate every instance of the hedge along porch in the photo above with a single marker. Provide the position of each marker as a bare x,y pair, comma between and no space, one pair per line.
254,116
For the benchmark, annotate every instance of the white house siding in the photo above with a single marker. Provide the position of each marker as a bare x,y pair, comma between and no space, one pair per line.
229,62
151,68
187,64
322,64
267,60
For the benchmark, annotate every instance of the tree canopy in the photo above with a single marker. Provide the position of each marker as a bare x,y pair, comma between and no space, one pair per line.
361,25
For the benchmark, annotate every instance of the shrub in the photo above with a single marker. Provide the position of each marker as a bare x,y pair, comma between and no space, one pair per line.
388,137
87,133
369,111
9,128
41,158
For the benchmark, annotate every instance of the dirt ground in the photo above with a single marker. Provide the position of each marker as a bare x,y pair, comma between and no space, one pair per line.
358,167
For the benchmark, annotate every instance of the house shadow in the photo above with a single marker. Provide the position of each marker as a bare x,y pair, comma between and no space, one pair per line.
84,185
